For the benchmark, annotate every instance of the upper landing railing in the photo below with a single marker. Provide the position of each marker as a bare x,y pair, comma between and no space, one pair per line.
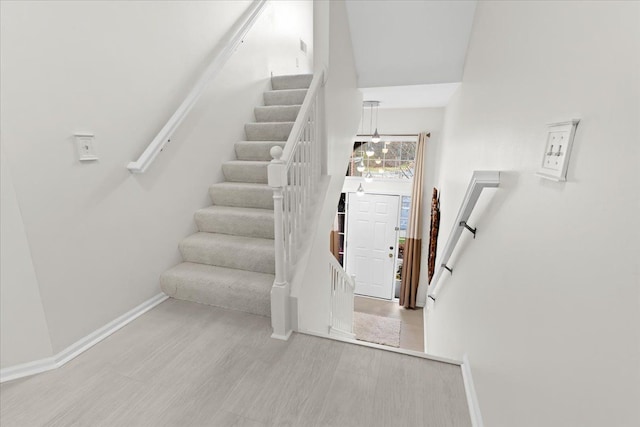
479,181
224,50
343,287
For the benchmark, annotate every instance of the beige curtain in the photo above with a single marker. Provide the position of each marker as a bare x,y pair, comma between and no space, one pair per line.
413,243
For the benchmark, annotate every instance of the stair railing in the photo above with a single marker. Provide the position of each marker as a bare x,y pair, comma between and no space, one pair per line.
294,175
224,50
479,181
342,291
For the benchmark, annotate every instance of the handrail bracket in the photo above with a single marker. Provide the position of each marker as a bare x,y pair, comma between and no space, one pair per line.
472,230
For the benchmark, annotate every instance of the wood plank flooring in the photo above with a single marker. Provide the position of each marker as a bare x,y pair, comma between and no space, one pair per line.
186,364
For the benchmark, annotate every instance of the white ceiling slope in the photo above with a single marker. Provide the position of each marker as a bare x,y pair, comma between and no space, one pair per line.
414,42
410,53
413,96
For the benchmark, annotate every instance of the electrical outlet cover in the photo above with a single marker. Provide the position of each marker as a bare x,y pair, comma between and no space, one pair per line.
84,145
557,150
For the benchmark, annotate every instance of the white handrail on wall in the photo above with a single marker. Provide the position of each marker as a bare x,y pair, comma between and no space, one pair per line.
294,175
224,50
479,181
342,290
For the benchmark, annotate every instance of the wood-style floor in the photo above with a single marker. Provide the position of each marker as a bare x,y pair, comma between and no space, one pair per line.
411,326
185,364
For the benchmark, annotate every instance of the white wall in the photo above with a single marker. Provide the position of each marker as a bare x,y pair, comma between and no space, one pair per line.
24,335
99,236
342,105
545,301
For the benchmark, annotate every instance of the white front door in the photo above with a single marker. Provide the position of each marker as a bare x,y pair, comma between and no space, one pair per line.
371,243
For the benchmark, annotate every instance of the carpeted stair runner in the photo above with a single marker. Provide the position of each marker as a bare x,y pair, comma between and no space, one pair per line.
230,262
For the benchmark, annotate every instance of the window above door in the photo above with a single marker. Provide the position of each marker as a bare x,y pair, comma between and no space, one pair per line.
393,158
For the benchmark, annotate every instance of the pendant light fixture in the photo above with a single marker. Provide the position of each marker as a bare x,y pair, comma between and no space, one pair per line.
378,161
385,149
370,152
360,190
368,177
375,137
360,168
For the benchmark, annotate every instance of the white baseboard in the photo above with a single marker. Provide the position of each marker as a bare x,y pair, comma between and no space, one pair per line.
284,337
341,334
384,347
470,390
80,346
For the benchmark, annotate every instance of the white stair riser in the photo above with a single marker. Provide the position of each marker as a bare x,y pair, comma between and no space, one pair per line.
268,131
231,253
252,197
277,113
245,172
291,82
255,150
232,289
260,226
285,97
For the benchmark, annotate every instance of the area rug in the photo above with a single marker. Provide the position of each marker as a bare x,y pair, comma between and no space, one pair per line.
376,329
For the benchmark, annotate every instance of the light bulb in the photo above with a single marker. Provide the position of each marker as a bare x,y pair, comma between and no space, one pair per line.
378,161
375,138
370,152
360,191
360,167
368,177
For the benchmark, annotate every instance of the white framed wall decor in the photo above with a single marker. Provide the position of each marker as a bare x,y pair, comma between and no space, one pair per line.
557,150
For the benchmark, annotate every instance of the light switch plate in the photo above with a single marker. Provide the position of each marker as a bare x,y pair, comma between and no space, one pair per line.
84,145
557,150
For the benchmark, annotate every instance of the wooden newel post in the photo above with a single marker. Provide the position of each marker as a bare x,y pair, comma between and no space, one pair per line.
280,292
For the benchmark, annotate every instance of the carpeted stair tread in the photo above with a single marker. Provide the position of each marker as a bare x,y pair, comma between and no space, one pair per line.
223,287
230,261
277,113
223,250
245,171
296,81
268,131
242,194
285,97
256,150
249,222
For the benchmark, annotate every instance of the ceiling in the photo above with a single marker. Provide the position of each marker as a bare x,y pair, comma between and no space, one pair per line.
413,96
411,44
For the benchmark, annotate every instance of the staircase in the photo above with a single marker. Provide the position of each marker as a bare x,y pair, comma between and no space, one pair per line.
230,261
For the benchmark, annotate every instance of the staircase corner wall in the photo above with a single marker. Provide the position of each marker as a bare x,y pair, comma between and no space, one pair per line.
343,102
